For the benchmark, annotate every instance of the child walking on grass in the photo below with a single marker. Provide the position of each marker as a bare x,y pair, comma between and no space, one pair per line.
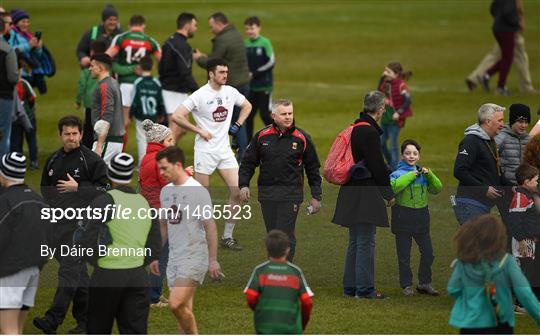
277,291
483,279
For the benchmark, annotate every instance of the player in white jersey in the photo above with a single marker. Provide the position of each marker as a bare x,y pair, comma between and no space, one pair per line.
192,236
212,107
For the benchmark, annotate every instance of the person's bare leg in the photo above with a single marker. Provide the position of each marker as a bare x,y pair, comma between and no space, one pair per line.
22,317
9,321
181,304
230,177
202,179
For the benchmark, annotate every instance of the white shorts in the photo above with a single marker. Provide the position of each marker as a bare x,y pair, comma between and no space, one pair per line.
193,269
127,94
207,163
110,149
173,99
19,289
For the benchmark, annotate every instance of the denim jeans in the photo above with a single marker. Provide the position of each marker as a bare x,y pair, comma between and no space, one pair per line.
359,274
156,282
466,211
403,248
241,137
6,117
391,152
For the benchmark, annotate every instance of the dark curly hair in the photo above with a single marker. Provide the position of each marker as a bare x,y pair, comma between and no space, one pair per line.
531,155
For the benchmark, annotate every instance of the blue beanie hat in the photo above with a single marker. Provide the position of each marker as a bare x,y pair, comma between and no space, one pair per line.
18,14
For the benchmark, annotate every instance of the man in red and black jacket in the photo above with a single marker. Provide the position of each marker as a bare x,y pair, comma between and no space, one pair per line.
283,153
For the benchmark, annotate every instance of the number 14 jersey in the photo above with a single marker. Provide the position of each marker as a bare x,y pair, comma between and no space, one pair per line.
131,47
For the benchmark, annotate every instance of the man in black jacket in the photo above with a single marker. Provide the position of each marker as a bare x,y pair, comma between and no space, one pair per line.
477,166
283,152
108,29
72,177
175,67
361,204
123,245
22,234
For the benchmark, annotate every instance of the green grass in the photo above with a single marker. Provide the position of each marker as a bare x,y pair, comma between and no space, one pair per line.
329,53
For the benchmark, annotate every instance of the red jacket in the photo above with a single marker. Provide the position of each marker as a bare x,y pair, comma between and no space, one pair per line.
150,180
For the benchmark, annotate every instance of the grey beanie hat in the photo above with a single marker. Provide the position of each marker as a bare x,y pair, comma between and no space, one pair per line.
155,132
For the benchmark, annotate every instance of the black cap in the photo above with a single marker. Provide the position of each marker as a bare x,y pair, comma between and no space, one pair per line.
107,12
519,112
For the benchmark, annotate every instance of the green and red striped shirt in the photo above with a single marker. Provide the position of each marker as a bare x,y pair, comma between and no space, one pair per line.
281,298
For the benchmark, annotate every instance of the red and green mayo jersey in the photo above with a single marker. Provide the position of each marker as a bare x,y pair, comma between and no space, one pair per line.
131,47
279,295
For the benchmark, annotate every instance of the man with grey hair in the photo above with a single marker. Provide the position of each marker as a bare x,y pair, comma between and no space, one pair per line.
283,152
477,166
361,203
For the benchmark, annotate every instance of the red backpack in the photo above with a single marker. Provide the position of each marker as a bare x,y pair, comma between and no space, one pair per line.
340,158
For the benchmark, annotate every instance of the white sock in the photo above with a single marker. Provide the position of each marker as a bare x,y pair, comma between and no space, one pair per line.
228,231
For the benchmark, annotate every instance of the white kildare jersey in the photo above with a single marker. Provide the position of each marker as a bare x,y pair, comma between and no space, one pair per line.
187,205
212,111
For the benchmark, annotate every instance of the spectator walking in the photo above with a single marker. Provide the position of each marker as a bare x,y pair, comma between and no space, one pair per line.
397,109
282,149
360,205
22,233
506,26
261,62
8,79
175,68
72,177
228,45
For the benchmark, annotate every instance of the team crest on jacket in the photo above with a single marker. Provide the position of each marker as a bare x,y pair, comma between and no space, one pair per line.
220,114
51,172
294,145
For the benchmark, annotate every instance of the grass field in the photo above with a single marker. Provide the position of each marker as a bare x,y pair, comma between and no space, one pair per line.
329,54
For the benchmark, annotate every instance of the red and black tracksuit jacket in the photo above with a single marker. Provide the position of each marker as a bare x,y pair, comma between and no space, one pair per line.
282,156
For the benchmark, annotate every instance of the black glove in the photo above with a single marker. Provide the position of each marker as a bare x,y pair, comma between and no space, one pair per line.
233,130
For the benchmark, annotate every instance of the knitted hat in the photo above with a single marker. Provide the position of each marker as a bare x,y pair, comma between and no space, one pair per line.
13,167
107,12
18,14
519,112
155,132
120,168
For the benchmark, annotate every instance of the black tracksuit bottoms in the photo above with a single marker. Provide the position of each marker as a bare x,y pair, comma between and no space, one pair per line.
281,215
120,294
